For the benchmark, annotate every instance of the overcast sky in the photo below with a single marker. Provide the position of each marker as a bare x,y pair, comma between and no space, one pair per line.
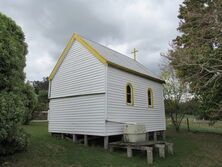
148,25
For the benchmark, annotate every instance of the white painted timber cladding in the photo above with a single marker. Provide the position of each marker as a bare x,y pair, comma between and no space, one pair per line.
79,73
78,115
119,111
81,77
96,94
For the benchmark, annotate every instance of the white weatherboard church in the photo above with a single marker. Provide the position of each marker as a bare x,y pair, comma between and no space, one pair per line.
94,90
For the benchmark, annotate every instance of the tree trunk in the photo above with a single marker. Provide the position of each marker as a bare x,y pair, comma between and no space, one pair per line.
177,128
188,125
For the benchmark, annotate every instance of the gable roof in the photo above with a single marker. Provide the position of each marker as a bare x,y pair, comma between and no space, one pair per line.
107,56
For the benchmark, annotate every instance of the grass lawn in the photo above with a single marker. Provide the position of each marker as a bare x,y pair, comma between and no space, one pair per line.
192,149
199,125
202,126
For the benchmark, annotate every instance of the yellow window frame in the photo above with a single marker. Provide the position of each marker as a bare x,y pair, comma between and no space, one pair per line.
132,94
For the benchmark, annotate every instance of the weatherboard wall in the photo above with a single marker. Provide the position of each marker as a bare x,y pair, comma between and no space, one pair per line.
77,115
88,97
80,73
118,112
77,96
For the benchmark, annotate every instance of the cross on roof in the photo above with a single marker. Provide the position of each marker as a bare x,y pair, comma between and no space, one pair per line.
134,53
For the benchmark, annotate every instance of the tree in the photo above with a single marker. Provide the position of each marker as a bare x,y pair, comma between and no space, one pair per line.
196,53
174,93
191,106
41,89
12,59
30,100
15,97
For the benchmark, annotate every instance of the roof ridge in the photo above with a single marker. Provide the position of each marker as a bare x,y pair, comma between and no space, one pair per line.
106,47
129,58
108,56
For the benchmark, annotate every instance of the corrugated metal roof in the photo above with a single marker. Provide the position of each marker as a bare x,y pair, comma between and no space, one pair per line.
120,59
107,56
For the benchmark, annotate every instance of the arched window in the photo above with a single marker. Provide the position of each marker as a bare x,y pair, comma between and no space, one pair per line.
150,98
129,94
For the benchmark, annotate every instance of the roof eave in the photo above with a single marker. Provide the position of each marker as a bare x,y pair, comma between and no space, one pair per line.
135,72
99,57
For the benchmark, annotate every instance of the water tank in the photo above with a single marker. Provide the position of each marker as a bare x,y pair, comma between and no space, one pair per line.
133,132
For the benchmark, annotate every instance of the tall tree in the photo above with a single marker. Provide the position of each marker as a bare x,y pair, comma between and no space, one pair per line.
15,99
41,89
12,59
196,53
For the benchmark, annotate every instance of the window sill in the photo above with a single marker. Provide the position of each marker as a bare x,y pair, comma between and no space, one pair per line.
129,104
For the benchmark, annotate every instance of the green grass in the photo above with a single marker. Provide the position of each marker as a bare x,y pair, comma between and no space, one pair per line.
199,125
192,149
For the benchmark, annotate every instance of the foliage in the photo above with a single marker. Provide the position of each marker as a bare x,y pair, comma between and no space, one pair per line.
191,106
174,93
12,59
15,97
41,89
30,100
196,53
41,85
12,138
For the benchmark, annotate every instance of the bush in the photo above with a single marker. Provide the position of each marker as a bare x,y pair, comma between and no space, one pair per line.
17,99
12,137
17,142
29,99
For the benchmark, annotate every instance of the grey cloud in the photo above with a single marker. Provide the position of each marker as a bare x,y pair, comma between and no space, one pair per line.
147,25
68,18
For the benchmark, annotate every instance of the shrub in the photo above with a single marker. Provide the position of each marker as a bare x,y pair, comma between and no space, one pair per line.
12,137
29,99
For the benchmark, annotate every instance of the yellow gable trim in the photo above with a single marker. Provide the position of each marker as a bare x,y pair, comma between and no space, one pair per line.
91,50
61,57
67,48
97,55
